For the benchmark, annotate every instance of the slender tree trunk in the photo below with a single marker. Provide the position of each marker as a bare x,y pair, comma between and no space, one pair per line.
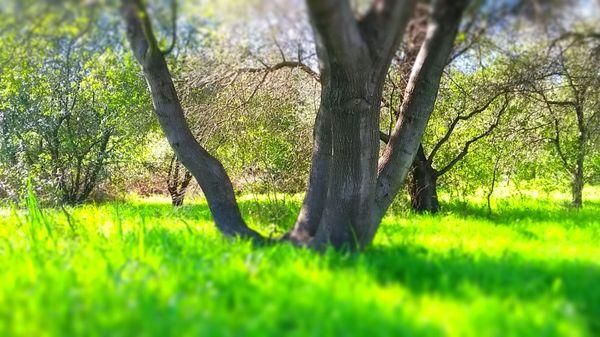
420,95
578,180
207,170
577,183
177,185
423,185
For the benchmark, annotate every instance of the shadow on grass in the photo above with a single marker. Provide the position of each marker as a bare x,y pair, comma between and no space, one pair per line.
454,274
511,276
531,209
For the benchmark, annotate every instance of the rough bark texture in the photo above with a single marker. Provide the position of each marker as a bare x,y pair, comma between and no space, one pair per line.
358,192
354,57
355,139
422,185
316,192
420,95
207,170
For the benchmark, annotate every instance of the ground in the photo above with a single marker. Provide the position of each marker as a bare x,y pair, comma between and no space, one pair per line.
142,268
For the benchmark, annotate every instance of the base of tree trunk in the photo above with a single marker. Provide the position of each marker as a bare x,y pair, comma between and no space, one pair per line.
423,185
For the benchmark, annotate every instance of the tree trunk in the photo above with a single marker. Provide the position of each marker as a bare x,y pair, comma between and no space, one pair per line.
316,192
423,185
351,95
354,59
176,184
420,95
577,183
353,101
581,148
207,170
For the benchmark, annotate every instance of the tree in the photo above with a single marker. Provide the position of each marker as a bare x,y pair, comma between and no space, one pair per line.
571,101
349,189
67,112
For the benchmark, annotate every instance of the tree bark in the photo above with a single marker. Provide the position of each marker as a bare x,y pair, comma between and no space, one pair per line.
207,170
354,57
577,185
316,192
423,185
354,105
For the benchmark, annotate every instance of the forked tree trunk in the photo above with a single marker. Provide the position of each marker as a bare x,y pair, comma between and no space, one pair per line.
349,191
422,185
356,196
354,57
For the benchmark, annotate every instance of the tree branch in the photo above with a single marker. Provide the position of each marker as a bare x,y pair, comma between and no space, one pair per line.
285,64
465,148
383,27
454,123
420,95
338,30
174,29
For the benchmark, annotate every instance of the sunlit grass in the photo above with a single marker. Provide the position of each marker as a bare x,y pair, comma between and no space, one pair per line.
142,268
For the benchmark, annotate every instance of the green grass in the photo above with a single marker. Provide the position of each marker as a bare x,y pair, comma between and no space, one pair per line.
141,268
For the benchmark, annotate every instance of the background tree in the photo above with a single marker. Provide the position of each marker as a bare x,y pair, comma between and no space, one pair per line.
570,102
67,112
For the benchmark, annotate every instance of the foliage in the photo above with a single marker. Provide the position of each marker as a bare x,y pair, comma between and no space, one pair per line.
258,123
72,106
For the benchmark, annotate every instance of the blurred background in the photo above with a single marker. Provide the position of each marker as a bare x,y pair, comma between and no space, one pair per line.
76,117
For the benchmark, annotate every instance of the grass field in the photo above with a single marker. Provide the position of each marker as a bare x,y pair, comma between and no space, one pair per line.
141,268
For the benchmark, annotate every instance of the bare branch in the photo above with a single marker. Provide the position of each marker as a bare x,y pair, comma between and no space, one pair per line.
284,64
174,28
484,134
455,122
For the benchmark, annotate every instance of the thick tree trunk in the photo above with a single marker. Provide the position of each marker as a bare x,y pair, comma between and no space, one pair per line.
354,57
351,94
353,101
423,185
207,170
